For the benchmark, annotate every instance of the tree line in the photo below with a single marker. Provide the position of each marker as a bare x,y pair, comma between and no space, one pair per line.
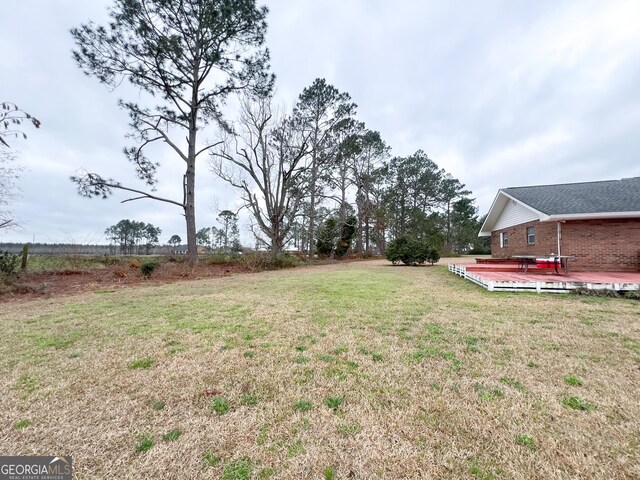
314,177
223,238
132,237
308,175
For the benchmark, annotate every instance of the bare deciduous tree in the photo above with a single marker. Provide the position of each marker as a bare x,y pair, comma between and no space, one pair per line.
9,175
12,118
263,160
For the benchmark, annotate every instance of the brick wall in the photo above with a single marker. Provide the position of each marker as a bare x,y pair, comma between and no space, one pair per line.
598,245
545,241
603,245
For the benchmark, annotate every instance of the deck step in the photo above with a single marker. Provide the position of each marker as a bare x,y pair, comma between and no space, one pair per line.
486,267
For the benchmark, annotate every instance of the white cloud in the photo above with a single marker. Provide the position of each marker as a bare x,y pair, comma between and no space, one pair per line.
499,93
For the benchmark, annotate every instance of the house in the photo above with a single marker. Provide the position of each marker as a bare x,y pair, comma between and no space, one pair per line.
597,222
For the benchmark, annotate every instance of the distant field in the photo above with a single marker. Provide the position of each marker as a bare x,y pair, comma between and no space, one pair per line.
59,262
358,370
73,261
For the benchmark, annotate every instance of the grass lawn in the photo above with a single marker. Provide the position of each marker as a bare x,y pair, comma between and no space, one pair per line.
360,370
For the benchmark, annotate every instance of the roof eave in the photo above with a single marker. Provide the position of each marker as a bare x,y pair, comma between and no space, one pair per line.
592,216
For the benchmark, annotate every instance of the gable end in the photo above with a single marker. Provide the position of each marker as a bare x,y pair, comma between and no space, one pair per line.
514,213
507,211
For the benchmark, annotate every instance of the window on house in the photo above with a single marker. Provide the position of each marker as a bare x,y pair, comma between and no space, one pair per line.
504,239
531,236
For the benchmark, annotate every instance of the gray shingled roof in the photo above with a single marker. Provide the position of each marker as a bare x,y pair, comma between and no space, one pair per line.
573,198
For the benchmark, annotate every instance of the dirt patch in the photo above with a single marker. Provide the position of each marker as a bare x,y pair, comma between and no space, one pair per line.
31,285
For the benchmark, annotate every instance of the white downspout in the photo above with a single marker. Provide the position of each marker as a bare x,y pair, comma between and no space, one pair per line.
559,235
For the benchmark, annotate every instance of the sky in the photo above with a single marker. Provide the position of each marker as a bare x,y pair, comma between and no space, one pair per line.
498,93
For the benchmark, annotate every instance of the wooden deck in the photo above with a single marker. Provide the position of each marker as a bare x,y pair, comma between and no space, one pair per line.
505,277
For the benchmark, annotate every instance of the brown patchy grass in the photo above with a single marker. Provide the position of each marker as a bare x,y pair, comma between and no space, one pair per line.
438,379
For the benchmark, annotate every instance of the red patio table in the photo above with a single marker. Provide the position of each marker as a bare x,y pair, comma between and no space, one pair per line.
548,261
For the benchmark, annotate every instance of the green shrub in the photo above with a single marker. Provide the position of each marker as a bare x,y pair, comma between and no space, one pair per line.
327,237
433,256
9,262
146,269
335,238
479,250
397,250
347,232
411,251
